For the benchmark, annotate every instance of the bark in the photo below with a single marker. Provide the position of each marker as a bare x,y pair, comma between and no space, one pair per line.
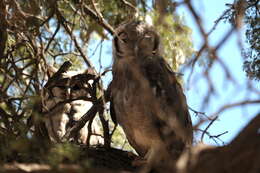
242,155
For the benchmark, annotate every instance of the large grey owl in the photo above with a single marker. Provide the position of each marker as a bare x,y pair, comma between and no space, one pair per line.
63,105
146,98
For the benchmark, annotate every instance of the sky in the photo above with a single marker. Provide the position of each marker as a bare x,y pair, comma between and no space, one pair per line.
232,120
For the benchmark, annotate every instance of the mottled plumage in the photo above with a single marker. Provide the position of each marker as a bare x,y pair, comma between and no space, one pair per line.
63,105
147,99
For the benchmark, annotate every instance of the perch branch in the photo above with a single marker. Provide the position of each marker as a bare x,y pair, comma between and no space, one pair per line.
83,120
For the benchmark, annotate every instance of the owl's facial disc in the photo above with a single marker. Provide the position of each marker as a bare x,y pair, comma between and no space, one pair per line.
135,39
147,41
119,40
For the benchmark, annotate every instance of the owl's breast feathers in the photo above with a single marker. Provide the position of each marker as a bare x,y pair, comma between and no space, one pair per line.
149,103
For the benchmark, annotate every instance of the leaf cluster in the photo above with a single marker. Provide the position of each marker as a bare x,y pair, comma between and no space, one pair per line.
38,35
251,19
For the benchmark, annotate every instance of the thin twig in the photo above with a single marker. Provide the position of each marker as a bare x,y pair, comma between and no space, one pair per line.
208,126
71,132
95,17
130,5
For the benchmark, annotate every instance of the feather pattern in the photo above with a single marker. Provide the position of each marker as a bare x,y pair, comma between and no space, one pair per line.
147,100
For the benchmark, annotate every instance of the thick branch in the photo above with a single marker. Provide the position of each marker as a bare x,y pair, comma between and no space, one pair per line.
242,155
83,120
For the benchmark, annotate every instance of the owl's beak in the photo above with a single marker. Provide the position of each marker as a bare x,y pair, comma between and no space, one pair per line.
68,92
136,49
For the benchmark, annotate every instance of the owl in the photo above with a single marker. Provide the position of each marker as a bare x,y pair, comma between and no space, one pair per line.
64,102
146,98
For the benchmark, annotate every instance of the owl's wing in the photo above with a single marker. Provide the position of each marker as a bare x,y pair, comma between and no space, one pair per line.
112,111
113,115
108,97
167,89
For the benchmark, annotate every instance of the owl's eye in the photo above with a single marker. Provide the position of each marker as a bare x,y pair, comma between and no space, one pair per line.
76,87
123,37
148,35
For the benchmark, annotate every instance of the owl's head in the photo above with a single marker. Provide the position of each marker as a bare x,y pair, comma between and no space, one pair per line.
71,85
135,39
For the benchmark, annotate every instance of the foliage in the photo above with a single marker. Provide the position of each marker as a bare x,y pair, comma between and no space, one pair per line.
252,23
176,38
38,34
